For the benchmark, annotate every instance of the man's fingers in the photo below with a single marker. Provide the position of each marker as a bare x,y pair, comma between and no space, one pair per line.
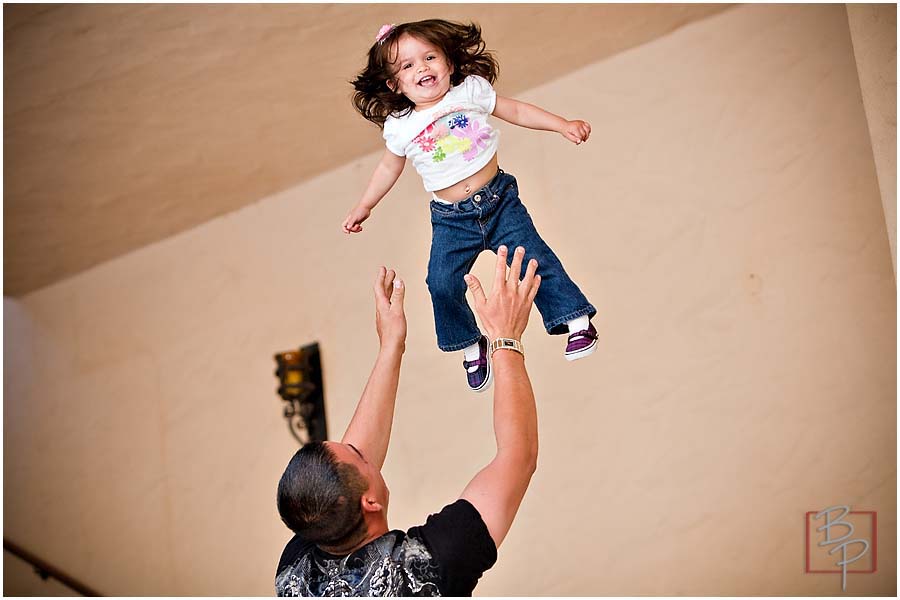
475,286
515,267
500,273
533,290
397,295
529,274
388,283
380,295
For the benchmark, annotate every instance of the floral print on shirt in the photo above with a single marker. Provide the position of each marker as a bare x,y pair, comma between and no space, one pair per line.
454,134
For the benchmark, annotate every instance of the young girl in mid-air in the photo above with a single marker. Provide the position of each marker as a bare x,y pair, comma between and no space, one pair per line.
428,85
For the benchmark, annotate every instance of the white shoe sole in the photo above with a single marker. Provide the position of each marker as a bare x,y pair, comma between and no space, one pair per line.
583,353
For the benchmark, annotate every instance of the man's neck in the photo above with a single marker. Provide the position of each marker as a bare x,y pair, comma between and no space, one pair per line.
373,532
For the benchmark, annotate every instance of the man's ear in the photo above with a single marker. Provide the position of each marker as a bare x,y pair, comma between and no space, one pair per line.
369,503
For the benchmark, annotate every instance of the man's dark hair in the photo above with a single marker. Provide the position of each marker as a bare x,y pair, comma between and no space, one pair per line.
319,497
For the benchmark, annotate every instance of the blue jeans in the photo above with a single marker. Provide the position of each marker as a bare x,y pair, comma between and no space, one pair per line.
491,217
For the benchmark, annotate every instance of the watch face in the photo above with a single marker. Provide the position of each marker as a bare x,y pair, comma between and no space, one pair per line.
507,344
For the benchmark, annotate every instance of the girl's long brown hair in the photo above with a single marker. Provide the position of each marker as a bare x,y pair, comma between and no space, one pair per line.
460,43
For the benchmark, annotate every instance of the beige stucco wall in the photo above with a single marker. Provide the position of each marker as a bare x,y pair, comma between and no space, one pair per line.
873,29
726,221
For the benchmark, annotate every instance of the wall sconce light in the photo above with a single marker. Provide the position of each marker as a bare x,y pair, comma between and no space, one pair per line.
299,374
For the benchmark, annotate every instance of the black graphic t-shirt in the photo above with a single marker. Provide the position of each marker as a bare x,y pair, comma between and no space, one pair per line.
444,557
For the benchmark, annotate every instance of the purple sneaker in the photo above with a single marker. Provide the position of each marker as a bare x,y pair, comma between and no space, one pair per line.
582,343
481,378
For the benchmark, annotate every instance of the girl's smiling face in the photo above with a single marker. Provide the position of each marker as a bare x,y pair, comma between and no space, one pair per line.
421,72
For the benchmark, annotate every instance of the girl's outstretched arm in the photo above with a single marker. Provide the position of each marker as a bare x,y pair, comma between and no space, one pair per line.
383,179
534,117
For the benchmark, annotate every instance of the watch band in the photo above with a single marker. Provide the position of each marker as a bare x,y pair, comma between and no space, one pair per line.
507,344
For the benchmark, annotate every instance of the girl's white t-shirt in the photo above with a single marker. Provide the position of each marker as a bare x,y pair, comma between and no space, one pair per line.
451,140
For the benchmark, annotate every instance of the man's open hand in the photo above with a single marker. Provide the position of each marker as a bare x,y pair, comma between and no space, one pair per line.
390,320
505,312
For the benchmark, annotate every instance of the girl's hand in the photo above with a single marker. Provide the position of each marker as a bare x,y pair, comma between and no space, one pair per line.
577,131
353,222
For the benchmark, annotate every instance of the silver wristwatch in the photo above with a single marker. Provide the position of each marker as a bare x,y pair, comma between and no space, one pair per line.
507,344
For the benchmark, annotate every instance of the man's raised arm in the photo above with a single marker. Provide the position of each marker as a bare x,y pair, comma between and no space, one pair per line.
370,428
498,489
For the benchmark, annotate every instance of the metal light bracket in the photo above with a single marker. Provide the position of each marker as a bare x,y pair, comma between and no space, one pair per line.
299,374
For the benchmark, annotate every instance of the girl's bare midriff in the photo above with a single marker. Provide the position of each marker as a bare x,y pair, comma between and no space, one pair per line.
469,185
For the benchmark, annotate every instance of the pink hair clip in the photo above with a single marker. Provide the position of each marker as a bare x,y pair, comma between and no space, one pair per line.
384,32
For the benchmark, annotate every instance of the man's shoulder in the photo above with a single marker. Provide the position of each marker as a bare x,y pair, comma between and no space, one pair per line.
444,556
459,517
461,545
460,511
393,564
295,547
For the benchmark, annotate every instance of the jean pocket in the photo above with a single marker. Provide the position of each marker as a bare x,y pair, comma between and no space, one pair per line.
508,181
